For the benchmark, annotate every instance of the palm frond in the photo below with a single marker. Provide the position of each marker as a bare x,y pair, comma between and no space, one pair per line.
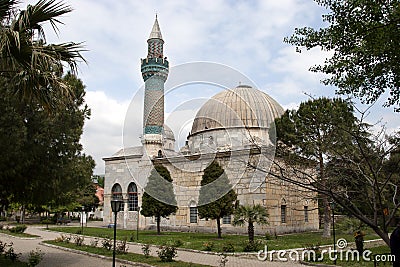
6,7
42,11
69,53
40,87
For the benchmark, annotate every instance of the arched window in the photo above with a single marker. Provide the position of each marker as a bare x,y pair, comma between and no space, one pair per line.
116,192
132,197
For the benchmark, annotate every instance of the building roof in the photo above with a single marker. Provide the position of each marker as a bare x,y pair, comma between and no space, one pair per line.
155,32
129,151
243,106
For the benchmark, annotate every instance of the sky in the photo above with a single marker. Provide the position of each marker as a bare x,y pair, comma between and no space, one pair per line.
246,36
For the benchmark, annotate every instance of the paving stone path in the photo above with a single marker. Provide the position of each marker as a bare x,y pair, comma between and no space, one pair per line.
59,258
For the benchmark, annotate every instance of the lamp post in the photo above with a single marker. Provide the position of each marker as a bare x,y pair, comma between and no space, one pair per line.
116,205
83,210
137,225
332,204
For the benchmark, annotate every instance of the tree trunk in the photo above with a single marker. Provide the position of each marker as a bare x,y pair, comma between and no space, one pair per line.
383,235
325,200
158,219
327,216
219,227
22,220
251,231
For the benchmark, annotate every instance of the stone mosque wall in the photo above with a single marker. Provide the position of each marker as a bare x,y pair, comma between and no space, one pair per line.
186,173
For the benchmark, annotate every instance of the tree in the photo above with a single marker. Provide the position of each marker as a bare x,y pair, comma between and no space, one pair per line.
45,164
318,130
218,185
159,199
364,36
31,68
250,214
87,198
362,177
100,180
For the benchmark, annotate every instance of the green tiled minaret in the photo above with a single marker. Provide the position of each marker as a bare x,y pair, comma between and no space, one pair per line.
154,72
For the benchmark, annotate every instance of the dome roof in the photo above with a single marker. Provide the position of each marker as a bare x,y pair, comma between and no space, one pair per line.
243,106
168,133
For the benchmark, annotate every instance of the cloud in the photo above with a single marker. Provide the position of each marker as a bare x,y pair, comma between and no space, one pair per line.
102,134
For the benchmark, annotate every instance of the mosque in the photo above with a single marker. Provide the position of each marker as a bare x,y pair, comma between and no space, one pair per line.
232,128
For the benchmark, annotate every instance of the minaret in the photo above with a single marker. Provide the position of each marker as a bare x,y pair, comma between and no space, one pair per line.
154,72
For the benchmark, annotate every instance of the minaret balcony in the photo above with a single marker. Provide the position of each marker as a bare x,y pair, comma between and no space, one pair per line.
154,66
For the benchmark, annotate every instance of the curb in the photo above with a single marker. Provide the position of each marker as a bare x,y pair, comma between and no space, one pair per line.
22,238
95,255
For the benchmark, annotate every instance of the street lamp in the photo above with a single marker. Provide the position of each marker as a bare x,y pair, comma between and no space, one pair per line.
332,204
137,225
116,205
83,210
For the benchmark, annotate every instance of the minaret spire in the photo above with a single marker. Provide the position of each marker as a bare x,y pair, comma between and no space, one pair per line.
154,72
155,31
155,42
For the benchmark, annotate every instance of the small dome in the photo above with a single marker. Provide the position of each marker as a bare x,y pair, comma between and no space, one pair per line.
243,106
168,133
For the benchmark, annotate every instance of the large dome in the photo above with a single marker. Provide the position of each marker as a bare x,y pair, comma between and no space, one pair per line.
243,106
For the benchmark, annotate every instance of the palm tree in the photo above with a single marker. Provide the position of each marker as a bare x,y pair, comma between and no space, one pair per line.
31,68
250,214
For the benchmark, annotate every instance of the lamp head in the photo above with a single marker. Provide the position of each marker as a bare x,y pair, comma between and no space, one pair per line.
116,205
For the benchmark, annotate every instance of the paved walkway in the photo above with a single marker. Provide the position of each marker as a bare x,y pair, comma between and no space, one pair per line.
56,257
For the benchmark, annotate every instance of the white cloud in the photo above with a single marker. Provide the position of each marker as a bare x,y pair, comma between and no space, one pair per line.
102,134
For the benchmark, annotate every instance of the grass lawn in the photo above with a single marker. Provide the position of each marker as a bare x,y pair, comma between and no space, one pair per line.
16,234
197,240
128,256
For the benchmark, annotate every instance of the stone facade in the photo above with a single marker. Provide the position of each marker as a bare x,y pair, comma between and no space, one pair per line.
301,210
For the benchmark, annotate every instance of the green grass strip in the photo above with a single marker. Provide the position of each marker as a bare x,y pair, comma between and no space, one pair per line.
17,234
128,256
197,241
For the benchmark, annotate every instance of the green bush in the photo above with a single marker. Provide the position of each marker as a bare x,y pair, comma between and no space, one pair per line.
94,242
253,246
78,240
268,236
10,253
228,247
20,228
167,253
107,243
146,250
121,246
208,246
35,257
2,247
